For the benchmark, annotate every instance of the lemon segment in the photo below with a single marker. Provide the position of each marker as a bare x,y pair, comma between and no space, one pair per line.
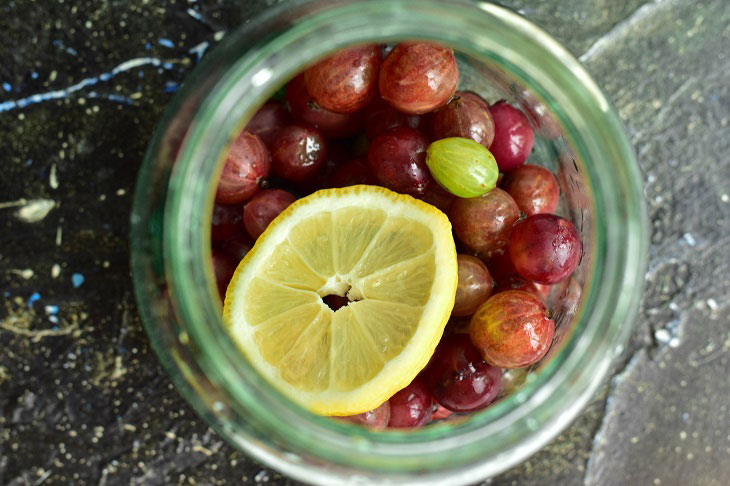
408,282
313,239
287,267
389,324
352,344
260,310
392,256
399,239
355,233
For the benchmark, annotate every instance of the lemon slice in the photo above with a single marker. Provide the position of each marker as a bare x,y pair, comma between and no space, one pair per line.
392,256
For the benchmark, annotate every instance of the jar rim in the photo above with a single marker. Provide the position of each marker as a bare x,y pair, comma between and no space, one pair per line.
525,421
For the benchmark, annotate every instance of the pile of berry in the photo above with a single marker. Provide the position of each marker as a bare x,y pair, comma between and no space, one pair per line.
369,115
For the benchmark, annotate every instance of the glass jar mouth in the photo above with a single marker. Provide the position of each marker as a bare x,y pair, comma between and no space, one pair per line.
513,428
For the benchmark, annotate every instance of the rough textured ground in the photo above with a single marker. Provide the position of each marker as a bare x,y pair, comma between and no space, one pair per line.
82,397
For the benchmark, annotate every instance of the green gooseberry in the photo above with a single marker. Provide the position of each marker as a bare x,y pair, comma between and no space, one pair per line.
462,166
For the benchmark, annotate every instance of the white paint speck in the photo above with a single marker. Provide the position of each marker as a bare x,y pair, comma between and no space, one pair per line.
712,304
59,235
262,476
689,239
35,210
53,178
25,274
55,270
42,476
121,192
13,204
662,336
725,198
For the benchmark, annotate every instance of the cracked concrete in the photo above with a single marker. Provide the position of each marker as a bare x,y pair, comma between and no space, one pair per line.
92,405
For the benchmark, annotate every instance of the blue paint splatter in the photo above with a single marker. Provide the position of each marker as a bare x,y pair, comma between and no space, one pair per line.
166,42
51,309
63,93
196,15
59,43
7,294
171,87
120,99
29,162
77,280
7,87
111,97
148,46
35,296
34,75
199,50
54,319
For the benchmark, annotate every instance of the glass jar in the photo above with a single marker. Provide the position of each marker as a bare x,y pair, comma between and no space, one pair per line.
500,55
